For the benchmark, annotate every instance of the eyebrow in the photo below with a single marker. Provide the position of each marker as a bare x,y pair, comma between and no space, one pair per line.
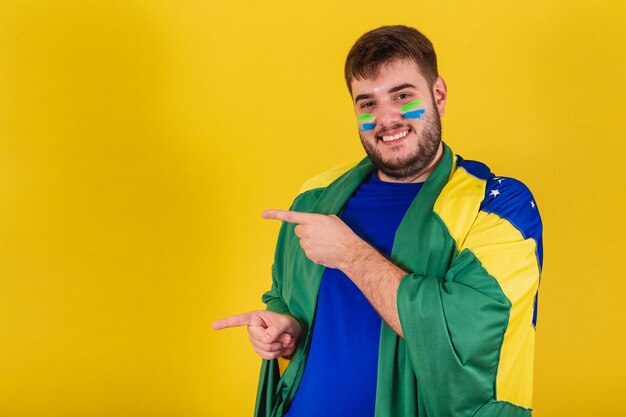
391,90
401,87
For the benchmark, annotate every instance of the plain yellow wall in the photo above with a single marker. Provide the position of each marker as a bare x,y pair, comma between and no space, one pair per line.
140,140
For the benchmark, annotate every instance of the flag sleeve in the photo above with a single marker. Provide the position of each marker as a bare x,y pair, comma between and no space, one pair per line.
470,333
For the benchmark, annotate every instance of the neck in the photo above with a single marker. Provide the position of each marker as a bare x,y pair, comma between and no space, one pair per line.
419,177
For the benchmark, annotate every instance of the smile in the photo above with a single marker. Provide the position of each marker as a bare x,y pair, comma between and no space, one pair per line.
395,137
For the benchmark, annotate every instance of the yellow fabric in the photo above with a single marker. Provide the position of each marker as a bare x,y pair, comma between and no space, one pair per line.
283,363
326,177
512,261
453,204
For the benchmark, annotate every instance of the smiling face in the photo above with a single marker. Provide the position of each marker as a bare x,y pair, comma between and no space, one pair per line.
402,135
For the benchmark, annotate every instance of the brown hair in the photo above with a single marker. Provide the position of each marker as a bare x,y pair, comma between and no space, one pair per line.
387,44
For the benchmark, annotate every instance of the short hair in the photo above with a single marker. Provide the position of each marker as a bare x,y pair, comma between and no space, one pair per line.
386,44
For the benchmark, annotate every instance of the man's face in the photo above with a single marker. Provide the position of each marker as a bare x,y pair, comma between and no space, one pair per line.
399,119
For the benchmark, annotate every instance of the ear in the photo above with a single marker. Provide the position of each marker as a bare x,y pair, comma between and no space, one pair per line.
440,93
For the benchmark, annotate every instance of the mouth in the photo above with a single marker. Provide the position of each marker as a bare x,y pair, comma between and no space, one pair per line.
394,136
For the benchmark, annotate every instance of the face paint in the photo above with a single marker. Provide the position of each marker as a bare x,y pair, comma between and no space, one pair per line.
409,111
366,122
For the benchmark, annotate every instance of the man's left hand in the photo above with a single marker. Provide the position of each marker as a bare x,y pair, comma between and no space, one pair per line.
326,240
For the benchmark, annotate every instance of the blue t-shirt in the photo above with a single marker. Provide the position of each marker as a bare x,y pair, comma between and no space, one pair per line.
342,366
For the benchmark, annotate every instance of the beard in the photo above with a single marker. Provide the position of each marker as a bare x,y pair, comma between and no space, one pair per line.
426,150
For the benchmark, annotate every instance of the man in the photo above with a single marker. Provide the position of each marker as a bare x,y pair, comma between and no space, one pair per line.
405,285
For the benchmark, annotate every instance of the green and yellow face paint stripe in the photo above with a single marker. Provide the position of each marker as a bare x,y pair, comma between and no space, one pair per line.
366,122
410,110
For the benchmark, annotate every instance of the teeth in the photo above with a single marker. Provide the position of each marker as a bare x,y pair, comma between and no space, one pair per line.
395,137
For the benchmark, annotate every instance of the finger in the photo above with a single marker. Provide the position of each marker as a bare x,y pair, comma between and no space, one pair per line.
267,347
256,333
244,319
288,216
271,334
288,352
266,355
285,339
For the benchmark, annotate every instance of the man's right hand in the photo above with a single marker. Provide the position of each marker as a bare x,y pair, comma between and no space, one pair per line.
272,334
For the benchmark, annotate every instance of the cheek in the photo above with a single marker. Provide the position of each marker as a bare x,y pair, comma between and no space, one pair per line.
366,127
367,122
414,114
413,110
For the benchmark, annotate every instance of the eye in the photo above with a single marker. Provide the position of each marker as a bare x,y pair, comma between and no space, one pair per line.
403,96
367,104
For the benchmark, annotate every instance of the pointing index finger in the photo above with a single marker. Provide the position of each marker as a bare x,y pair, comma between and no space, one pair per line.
288,216
244,319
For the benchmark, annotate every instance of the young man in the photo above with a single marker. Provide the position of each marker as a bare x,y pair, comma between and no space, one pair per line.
404,285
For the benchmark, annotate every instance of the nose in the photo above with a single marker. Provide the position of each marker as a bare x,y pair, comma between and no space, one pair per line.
388,115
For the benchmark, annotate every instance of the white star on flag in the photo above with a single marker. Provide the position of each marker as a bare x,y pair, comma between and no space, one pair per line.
532,204
495,193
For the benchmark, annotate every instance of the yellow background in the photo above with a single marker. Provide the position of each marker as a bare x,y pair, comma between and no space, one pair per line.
140,140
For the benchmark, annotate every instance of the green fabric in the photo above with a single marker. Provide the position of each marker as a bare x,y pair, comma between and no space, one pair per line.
453,314
503,409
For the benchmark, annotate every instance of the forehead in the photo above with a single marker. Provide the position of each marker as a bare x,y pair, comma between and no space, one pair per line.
388,76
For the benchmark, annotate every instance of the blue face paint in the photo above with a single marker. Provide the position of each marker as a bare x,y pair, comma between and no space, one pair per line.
366,122
416,114
409,111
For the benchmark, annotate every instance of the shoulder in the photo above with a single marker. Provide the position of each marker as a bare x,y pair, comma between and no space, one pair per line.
503,195
508,198
502,203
